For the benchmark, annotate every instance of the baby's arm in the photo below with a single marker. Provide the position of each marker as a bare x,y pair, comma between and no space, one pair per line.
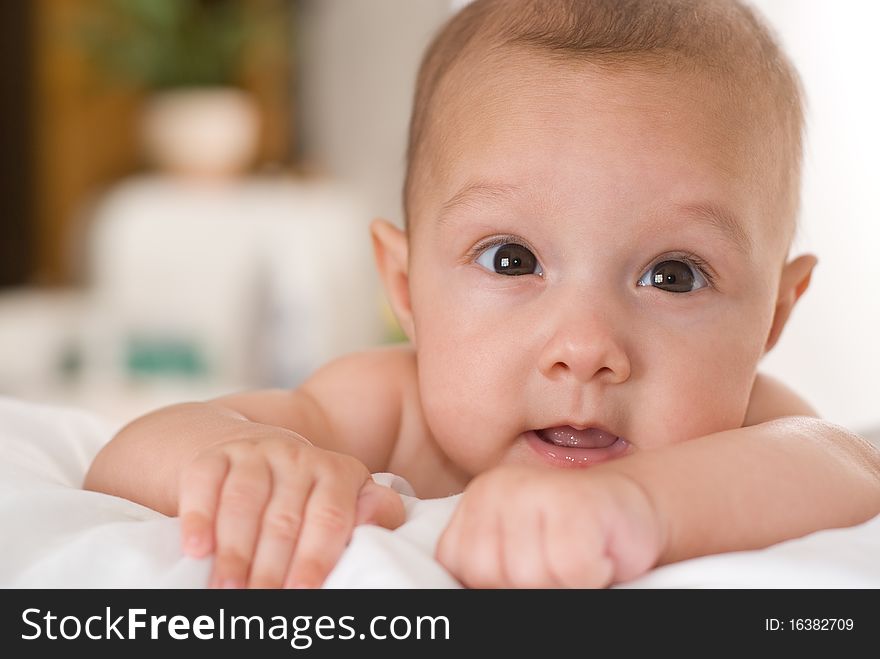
755,486
253,474
783,477
785,473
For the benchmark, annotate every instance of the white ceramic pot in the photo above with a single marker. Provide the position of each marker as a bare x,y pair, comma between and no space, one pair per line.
201,132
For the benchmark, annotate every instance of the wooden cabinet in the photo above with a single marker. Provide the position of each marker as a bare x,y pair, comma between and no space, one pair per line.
73,134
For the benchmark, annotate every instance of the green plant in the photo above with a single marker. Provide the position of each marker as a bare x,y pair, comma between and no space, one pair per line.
170,43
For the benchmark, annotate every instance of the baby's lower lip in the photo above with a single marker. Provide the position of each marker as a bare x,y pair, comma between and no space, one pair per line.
572,456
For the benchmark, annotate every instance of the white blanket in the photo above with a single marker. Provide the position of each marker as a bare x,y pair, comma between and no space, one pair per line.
55,535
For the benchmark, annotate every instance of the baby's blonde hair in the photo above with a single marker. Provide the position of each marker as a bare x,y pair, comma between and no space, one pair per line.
724,39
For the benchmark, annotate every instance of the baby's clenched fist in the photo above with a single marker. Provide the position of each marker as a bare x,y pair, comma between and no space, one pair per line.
529,527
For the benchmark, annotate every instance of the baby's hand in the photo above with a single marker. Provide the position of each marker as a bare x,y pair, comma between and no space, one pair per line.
276,510
528,527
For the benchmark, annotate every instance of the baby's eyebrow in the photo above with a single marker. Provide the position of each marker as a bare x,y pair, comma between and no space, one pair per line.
719,218
474,193
707,212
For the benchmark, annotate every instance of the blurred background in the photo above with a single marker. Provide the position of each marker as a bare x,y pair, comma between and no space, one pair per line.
188,186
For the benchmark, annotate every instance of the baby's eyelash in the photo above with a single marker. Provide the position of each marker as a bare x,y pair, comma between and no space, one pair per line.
481,247
691,258
704,268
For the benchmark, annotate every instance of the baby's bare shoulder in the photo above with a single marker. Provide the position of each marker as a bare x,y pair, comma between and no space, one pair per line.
773,399
364,397
379,365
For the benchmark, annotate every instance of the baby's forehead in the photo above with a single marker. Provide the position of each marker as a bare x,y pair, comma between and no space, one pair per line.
509,99
746,73
517,75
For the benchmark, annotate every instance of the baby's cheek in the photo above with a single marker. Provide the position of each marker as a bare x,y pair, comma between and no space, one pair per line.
701,402
463,407
661,424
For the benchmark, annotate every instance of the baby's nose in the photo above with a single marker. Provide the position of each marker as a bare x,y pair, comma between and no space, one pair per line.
587,345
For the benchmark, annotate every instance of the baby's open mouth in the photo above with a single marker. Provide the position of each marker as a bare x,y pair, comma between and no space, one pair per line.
568,436
565,446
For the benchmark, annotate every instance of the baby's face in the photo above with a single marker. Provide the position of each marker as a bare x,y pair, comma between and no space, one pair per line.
590,251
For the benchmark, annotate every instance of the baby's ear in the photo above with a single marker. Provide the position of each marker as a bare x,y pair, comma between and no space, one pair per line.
794,281
391,250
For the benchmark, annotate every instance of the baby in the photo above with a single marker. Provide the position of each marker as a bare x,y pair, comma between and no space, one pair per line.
600,200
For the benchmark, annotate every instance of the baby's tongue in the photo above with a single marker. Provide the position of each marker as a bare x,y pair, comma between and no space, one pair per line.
568,436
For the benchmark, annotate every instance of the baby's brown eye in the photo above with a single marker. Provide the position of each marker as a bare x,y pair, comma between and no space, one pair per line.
674,277
510,259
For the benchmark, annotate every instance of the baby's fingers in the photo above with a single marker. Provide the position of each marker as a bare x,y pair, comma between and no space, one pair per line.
327,527
200,485
282,522
470,548
242,501
379,505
